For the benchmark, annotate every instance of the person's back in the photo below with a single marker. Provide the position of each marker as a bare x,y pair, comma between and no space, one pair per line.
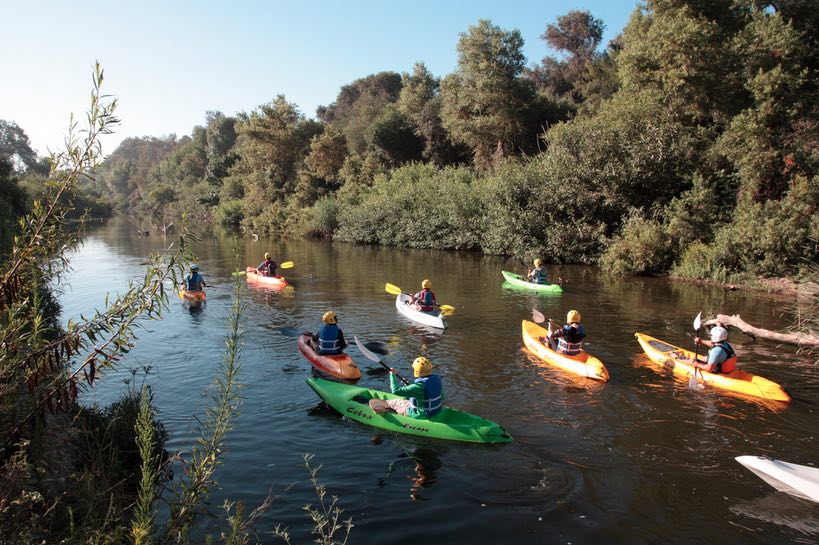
425,299
422,398
194,281
330,339
570,336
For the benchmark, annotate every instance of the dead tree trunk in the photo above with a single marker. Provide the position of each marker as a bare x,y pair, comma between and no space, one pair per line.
802,339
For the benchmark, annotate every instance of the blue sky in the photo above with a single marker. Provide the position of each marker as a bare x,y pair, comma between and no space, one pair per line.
170,62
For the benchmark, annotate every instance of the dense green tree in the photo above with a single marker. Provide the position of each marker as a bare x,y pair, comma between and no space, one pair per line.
393,137
272,144
221,137
576,36
420,102
16,147
358,104
485,99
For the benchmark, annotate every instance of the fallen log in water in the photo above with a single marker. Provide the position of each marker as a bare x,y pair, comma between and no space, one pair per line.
802,339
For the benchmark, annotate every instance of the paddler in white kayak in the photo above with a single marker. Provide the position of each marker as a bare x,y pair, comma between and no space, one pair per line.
425,300
424,396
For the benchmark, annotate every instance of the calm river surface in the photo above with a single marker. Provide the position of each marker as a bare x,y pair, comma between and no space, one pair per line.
641,459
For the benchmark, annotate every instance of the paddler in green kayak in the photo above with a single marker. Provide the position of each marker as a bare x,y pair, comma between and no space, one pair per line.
424,395
538,274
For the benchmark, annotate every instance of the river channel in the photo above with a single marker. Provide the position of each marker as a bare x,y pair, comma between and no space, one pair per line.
640,459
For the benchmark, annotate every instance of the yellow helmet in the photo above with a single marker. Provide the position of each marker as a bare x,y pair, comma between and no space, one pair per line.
329,317
426,284
573,317
267,255
538,262
421,367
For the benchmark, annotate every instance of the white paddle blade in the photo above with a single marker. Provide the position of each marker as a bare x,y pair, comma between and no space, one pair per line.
698,321
363,349
538,316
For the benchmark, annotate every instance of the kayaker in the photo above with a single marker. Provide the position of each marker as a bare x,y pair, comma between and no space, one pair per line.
268,266
424,396
194,281
721,355
329,339
569,338
538,274
425,300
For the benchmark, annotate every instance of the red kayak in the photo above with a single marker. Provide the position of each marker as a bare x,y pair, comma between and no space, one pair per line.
339,366
272,281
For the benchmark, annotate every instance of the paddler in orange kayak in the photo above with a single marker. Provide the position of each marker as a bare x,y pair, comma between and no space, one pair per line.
268,266
569,338
330,339
193,280
721,355
423,397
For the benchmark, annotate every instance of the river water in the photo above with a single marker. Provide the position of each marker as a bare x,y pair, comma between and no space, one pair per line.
640,459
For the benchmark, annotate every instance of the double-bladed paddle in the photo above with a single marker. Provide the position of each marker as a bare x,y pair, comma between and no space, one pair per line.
285,265
694,384
372,357
446,310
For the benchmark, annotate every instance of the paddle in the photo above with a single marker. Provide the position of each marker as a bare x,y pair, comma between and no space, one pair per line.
379,347
693,383
285,265
395,290
372,357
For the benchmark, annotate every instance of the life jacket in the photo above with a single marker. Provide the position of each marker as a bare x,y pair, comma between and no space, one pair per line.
729,364
433,396
571,341
268,267
329,341
193,282
425,300
538,275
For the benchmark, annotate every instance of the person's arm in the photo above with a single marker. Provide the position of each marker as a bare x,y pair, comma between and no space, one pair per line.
341,342
413,389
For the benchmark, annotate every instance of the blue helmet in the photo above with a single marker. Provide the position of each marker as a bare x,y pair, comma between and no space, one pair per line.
194,267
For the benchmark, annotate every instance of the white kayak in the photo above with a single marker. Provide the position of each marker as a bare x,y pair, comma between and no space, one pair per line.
799,481
405,307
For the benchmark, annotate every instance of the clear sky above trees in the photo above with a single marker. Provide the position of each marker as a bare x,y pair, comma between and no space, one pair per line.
169,63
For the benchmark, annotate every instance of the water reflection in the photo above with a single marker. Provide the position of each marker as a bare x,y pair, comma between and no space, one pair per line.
423,464
783,510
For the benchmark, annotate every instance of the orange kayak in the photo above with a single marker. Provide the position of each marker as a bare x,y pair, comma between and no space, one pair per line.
193,297
272,281
337,365
583,364
678,360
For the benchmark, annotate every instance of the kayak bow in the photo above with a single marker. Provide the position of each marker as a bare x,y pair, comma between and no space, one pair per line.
793,479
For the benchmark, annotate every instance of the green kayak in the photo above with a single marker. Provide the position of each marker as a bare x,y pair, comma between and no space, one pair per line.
352,402
518,280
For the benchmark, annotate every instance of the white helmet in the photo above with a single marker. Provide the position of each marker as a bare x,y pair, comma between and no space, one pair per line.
718,334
